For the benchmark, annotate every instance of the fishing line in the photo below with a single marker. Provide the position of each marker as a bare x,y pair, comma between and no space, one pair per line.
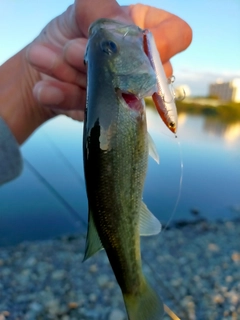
170,293
77,216
55,193
170,136
69,165
179,189
65,160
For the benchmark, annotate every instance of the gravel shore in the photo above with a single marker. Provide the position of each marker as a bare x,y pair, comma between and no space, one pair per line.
195,269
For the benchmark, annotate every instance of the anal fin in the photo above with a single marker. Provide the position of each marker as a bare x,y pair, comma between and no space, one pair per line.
152,149
149,224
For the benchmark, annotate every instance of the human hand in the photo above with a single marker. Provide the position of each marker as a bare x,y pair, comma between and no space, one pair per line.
48,76
58,52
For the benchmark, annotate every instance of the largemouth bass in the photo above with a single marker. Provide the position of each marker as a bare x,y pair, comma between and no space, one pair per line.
116,147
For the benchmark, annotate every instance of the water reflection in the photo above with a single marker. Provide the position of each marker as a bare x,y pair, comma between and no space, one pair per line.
211,175
207,148
230,133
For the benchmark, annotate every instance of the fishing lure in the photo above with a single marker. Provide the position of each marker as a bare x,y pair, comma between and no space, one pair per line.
164,98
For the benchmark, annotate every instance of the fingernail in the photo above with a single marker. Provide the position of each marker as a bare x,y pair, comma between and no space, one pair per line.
48,95
41,56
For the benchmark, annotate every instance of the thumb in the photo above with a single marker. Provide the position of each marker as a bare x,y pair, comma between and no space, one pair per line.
88,11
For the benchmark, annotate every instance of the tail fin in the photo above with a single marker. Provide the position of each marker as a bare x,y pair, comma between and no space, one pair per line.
144,306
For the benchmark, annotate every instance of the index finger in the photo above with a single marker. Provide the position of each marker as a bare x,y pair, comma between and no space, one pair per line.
172,34
86,12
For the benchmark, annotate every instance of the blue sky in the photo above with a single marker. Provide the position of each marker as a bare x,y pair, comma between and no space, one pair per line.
214,52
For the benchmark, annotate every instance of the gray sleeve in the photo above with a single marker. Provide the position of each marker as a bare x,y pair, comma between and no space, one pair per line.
11,163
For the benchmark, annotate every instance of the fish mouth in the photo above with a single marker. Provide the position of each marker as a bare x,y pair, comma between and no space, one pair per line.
131,100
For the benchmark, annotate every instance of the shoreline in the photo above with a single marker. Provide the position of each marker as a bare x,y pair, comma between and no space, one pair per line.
195,269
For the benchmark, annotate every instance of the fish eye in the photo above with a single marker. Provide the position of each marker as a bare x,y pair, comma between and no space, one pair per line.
109,47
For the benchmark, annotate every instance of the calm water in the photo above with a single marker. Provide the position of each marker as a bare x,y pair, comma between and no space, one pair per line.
205,157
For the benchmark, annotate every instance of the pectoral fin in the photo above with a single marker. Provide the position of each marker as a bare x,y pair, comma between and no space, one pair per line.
152,149
149,224
93,242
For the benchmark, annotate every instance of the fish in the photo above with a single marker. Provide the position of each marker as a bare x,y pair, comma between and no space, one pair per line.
116,145
163,98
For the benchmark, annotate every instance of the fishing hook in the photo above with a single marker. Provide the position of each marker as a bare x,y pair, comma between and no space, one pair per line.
183,97
170,82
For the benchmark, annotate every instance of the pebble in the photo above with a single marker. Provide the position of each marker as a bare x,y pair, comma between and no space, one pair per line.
30,262
73,305
213,247
117,314
92,297
103,280
36,307
93,268
236,256
58,274
6,313
195,269
53,306
218,299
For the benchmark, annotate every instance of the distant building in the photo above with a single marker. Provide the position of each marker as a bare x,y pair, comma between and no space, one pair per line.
228,91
